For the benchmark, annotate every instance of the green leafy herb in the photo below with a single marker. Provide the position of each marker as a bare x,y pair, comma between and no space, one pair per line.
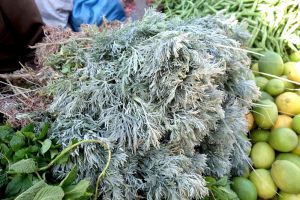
6,133
220,189
31,192
78,190
50,193
70,178
18,184
46,146
43,132
17,142
23,167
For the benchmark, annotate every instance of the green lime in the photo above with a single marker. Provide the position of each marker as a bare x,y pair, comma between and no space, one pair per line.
265,186
271,63
261,82
262,155
296,124
244,188
265,95
275,87
283,139
286,176
265,114
259,135
290,157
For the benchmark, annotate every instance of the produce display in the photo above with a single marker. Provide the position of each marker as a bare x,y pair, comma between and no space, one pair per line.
201,106
167,96
274,132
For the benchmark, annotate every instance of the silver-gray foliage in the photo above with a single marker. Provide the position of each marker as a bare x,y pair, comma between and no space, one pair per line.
168,95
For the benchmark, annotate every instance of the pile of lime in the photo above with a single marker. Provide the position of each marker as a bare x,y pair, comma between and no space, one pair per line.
274,130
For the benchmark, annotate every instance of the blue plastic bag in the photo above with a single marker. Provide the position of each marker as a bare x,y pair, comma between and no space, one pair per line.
93,11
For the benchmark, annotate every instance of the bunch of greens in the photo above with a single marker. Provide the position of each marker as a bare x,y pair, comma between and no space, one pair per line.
274,24
27,157
220,189
169,96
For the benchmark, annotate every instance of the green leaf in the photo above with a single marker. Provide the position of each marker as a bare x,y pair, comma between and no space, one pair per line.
31,192
222,181
41,161
50,193
29,135
46,146
17,142
5,151
3,178
6,133
44,131
24,166
33,149
19,183
28,128
70,178
20,154
77,191
55,146
53,153
63,159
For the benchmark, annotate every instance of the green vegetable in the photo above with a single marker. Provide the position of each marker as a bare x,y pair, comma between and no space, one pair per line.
17,142
31,192
33,158
220,189
273,26
50,193
6,133
25,166
46,146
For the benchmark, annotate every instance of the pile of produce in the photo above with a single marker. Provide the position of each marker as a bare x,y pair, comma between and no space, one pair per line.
275,129
27,156
274,24
155,109
167,96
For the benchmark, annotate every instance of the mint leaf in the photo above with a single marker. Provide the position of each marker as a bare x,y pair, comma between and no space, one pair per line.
6,133
46,146
50,193
53,153
29,135
7,152
3,178
43,132
28,128
19,183
33,149
17,142
77,191
24,166
31,192
20,154
70,178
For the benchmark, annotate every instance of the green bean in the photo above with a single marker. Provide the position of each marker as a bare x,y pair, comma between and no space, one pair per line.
254,35
254,6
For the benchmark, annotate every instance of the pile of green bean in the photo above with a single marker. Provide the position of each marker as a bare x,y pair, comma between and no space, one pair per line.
274,24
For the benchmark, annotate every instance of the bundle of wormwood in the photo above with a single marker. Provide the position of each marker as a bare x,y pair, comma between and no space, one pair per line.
169,96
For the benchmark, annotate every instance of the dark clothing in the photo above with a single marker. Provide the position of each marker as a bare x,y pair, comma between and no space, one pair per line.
20,27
